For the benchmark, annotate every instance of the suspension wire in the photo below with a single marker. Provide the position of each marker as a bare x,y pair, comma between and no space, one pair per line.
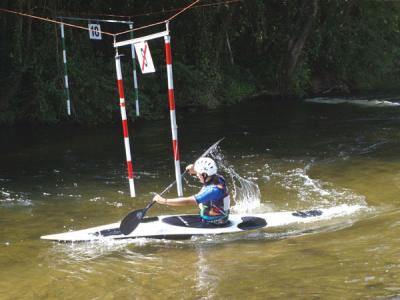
51,20
95,20
163,11
161,22
183,10
180,11
142,27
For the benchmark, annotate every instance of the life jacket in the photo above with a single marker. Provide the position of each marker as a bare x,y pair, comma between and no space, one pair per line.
214,201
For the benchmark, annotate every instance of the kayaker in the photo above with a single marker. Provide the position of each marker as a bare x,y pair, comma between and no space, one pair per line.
213,198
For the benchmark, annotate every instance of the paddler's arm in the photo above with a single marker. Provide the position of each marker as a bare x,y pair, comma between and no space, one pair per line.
181,201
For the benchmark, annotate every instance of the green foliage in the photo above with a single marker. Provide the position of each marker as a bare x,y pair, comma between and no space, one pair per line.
300,81
221,55
358,42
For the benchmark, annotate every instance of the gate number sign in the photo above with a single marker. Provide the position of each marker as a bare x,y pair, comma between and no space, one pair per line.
94,31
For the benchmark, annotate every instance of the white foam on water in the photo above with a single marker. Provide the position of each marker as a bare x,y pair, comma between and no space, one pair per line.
95,199
86,251
10,198
70,195
116,204
311,192
361,102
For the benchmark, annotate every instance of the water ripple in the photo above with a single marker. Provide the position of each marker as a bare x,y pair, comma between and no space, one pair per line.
10,198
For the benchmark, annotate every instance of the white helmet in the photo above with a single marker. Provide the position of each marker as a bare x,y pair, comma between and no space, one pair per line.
205,165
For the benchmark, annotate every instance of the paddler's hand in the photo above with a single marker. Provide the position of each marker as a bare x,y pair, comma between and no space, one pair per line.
190,169
159,199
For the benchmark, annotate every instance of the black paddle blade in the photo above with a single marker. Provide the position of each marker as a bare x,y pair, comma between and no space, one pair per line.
131,221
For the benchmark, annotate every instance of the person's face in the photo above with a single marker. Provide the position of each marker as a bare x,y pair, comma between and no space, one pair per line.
200,177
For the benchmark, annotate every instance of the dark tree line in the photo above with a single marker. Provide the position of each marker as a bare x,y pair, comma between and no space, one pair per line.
222,54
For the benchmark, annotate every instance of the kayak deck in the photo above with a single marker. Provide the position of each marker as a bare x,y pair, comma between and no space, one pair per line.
186,226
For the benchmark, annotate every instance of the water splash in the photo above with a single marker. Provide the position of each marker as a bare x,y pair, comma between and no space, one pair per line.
304,192
245,193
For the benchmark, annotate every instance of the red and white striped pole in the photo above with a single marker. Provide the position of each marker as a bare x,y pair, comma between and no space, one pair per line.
124,123
174,126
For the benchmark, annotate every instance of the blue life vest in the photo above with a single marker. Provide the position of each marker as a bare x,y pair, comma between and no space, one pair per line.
214,201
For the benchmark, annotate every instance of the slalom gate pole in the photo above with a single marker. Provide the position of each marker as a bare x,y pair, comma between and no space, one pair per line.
135,84
174,127
65,69
124,123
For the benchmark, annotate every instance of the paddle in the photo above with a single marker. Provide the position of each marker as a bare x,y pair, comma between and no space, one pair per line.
132,220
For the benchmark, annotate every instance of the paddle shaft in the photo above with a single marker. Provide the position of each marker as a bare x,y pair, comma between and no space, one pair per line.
132,220
162,193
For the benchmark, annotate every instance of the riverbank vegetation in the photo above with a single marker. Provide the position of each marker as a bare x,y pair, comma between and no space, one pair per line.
222,54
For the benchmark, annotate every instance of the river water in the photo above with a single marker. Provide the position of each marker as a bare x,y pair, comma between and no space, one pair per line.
277,156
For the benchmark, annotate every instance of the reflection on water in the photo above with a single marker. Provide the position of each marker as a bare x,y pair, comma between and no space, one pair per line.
276,156
206,281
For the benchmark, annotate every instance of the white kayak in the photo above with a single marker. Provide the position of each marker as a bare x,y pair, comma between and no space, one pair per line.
185,226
